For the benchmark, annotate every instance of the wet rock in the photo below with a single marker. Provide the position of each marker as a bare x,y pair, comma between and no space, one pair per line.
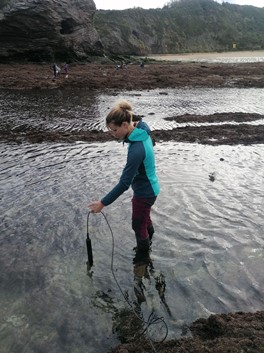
212,177
104,76
223,333
47,30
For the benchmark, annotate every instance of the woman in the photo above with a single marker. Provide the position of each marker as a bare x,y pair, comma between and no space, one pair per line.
139,172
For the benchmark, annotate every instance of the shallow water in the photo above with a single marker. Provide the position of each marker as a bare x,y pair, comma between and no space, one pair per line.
83,110
208,248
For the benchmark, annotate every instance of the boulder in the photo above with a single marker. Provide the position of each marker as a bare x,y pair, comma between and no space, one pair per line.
48,30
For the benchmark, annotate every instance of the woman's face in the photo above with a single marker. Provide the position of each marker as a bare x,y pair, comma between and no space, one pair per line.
119,132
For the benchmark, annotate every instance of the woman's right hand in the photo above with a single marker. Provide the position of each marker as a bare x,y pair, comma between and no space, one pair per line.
96,206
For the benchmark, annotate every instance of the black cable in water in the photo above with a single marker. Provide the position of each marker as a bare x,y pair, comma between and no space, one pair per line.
152,319
89,244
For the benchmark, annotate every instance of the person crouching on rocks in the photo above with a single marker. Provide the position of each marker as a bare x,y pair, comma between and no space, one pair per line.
139,172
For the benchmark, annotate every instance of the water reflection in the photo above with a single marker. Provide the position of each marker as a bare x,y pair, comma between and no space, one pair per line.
144,271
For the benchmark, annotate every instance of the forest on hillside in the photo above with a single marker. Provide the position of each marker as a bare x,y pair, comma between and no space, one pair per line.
181,26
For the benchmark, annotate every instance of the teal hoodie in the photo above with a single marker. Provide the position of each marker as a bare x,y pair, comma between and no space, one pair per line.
140,170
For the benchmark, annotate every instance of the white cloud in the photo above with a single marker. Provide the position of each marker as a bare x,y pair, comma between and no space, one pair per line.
153,4
147,4
126,4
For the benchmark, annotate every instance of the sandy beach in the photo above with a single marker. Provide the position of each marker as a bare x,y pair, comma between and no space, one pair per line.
242,56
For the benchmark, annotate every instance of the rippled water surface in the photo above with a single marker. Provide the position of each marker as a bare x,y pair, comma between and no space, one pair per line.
208,248
83,110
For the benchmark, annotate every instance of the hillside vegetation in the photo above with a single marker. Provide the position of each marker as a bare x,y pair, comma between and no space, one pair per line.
181,26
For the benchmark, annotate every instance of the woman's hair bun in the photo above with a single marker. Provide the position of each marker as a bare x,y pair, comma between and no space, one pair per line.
123,104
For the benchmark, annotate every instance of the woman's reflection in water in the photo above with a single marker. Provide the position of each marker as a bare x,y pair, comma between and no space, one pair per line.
144,269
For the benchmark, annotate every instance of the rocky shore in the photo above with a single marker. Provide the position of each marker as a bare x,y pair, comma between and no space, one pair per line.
233,332
159,75
222,333
132,77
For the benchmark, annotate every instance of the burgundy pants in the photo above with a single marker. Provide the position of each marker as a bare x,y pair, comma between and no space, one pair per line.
141,221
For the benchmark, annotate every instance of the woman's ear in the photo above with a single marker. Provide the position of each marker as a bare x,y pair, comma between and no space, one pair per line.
125,124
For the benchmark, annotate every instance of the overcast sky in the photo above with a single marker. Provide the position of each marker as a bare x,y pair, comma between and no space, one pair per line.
147,4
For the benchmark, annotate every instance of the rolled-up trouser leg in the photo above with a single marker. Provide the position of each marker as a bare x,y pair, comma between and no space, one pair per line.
141,221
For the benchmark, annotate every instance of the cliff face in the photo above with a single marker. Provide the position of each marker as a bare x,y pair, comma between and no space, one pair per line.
181,26
40,30
127,32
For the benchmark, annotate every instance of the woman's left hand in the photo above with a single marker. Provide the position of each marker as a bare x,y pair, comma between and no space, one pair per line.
96,206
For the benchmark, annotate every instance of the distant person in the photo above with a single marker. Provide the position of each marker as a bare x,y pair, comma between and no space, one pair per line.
142,64
56,70
66,67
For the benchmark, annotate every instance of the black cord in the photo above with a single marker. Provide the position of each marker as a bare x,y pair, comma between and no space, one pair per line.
152,319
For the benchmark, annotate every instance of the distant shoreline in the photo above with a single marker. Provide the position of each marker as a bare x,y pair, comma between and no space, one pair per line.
234,56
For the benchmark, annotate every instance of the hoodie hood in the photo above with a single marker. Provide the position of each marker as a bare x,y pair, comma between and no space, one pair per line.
143,126
140,133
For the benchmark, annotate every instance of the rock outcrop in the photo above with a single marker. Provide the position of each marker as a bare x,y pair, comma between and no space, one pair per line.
39,30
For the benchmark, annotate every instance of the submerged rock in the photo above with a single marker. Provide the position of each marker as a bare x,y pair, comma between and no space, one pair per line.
37,30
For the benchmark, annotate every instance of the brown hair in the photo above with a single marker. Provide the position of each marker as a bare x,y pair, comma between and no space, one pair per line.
122,112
